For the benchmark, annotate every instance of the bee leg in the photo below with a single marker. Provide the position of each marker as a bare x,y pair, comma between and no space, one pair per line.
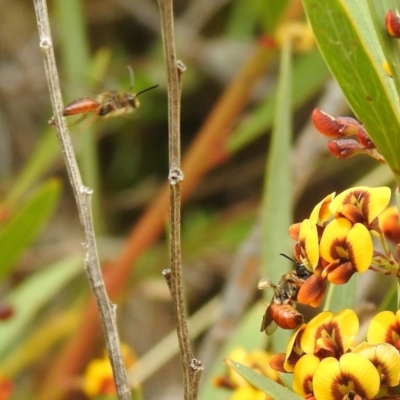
87,123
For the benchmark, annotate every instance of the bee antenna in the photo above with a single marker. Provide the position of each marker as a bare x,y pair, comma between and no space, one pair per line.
146,90
284,255
131,77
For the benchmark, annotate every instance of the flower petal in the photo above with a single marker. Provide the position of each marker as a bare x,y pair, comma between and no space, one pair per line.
360,247
353,374
385,328
333,238
308,242
370,201
303,374
386,359
321,211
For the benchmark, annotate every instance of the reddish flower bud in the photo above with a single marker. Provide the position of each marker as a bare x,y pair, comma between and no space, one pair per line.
364,140
345,148
349,126
392,23
326,124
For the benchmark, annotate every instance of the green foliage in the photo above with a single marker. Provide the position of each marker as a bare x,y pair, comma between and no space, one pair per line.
33,294
352,50
23,227
267,386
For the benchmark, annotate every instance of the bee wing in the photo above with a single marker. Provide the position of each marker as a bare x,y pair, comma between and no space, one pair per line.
268,324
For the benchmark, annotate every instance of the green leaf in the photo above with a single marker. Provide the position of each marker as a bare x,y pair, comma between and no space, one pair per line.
277,201
350,45
390,46
267,386
34,293
20,231
340,297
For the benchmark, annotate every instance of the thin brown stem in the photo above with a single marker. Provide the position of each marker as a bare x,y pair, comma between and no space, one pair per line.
82,195
191,367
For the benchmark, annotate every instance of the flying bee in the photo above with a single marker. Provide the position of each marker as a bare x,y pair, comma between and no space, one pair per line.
281,312
108,104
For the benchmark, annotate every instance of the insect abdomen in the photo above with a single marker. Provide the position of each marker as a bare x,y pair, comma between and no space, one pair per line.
81,106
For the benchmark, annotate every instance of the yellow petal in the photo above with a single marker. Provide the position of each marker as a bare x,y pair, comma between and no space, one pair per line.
321,211
335,379
386,359
347,322
308,239
371,201
313,331
303,374
328,370
360,247
345,197
334,234
380,329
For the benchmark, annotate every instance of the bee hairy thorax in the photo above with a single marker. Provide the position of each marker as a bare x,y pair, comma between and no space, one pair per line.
114,104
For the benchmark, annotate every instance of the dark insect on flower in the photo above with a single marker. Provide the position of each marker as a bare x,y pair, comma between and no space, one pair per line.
281,312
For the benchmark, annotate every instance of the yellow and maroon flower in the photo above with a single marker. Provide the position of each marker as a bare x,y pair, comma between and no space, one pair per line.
346,248
307,249
329,335
386,359
285,362
350,376
303,375
385,328
361,204
321,212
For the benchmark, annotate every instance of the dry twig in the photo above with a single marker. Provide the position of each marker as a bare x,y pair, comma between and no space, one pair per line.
191,367
83,197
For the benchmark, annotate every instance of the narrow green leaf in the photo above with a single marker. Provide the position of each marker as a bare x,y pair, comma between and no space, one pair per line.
390,46
267,386
34,293
277,203
19,232
349,43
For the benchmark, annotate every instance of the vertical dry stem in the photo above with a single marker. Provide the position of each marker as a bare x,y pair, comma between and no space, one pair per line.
191,367
82,196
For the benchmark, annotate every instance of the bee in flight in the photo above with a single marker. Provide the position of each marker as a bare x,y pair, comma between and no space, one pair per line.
281,311
108,104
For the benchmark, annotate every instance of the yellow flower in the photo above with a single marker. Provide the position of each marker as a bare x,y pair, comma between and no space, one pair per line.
347,248
385,328
361,204
352,375
386,360
98,377
330,335
307,251
303,374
